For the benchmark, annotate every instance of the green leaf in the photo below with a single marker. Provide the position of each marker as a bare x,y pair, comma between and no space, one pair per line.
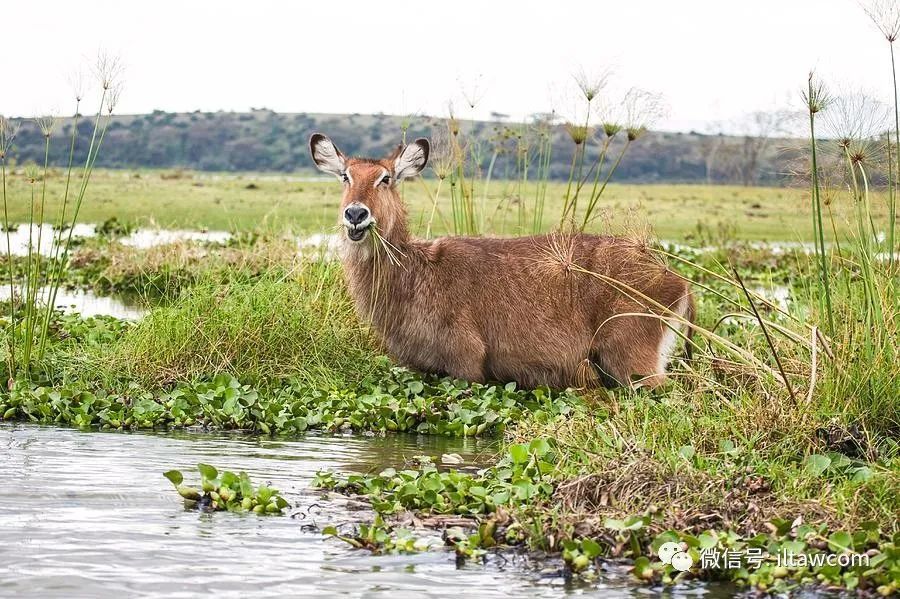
862,474
246,485
519,453
838,460
840,542
207,471
330,530
816,463
539,447
264,493
591,548
174,476
708,540
687,452
613,524
500,497
665,537
793,547
189,493
641,565
635,523
526,490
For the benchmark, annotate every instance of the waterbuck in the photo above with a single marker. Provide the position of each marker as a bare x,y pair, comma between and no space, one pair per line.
558,310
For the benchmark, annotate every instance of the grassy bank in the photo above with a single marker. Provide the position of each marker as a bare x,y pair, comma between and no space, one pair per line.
723,456
275,352
769,438
250,202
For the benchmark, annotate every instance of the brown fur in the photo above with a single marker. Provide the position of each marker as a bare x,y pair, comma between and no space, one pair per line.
521,309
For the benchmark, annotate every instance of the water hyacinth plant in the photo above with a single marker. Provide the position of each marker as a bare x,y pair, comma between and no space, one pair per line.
227,491
393,401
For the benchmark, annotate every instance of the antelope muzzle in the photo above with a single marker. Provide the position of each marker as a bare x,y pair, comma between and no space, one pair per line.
357,220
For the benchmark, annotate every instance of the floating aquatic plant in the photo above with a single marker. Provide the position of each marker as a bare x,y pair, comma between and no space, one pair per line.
227,492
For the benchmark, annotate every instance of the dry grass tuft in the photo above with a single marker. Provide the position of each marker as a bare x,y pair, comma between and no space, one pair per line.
684,499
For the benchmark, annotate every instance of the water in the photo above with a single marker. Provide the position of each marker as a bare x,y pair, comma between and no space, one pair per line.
88,514
86,303
22,237
779,295
147,238
325,246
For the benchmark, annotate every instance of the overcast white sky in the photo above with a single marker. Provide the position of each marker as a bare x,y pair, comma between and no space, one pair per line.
712,59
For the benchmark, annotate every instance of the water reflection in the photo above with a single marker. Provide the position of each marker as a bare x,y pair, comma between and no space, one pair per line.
41,238
86,303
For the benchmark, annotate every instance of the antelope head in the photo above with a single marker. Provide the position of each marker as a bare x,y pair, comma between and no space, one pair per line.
370,186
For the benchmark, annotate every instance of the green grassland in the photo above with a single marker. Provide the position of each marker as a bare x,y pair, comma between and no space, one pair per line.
304,204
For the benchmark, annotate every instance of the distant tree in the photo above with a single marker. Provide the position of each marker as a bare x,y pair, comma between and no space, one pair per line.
710,144
759,129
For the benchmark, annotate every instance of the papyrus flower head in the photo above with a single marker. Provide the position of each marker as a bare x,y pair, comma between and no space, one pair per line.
643,109
886,16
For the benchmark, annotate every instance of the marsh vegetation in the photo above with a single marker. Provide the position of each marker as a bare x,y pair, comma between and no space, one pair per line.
780,432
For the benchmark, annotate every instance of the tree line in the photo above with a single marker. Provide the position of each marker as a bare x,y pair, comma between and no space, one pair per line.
263,140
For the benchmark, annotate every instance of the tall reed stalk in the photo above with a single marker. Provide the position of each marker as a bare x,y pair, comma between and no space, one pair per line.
42,278
860,300
473,167
7,135
886,17
816,100
544,153
33,273
893,182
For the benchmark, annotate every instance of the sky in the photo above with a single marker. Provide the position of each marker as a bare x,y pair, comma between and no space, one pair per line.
712,61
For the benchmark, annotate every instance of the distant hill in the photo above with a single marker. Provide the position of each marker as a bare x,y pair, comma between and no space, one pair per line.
263,140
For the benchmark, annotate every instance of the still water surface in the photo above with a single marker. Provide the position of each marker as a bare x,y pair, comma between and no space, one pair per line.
89,514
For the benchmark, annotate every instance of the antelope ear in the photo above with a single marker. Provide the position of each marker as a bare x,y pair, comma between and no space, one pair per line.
412,159
326,155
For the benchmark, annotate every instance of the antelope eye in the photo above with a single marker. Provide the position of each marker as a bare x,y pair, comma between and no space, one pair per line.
386,179
345,178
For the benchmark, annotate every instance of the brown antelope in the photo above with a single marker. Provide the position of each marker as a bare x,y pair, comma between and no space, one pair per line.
556,310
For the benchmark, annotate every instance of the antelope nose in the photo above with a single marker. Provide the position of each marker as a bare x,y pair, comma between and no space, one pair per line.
356,214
